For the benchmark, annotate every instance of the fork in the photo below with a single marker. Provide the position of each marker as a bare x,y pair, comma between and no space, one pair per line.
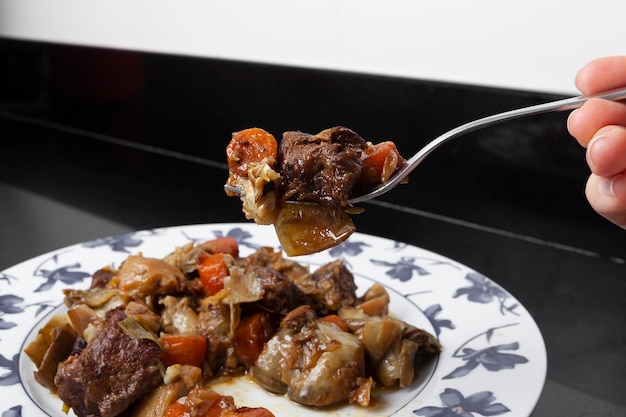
554,106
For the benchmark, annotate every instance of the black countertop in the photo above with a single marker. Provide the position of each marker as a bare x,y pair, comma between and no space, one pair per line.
97,143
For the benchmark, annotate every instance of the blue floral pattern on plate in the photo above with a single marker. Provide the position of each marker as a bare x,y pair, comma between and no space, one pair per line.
492,347
456,405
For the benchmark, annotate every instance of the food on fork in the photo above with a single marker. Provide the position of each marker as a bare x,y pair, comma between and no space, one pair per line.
302,185
150,337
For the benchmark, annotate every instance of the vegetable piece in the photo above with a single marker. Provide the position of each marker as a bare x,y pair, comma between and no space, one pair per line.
134,329
62,341
177,382
249,147
225,244
184,349
379,162
375,301
178,317
306,228
175,409
141,276
212,269
314,362
397,367
38,347
81,316
250,336
204,402
333,318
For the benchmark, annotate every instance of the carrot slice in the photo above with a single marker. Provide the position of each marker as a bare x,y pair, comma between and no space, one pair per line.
250,146
212,269
250,336
175,409
183,349
380,161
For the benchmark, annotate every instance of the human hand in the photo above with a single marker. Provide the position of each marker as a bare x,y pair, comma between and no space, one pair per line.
600,126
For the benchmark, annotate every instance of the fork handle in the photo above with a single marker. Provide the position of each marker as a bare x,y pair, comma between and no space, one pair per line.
553,106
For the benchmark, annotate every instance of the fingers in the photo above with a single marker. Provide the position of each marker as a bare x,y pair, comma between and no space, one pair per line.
584,122
607,196
606,152
606,187
602,74
600,126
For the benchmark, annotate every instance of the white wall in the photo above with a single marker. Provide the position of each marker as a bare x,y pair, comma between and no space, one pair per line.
529,45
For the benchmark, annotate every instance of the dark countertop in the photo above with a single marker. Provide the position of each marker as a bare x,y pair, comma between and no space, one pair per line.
97,143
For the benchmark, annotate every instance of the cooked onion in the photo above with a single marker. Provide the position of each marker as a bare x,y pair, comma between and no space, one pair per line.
305,228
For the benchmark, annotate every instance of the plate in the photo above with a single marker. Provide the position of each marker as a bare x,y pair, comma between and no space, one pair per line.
494,357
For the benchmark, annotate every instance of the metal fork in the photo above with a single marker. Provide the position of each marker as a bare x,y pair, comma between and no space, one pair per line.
415,160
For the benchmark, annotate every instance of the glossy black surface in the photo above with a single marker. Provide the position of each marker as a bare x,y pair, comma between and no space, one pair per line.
96,143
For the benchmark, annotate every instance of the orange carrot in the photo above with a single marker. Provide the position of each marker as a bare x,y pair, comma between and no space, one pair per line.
215,410
250,146
225,244
175,409
183,349
212,269
250,336
379,161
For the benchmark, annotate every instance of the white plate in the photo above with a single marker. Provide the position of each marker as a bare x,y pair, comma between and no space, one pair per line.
494,358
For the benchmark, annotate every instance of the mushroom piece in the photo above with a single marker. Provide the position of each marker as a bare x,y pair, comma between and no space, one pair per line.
393,349
314,362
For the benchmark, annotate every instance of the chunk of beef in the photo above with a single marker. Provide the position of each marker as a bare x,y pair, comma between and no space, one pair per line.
214,323
320,168
267,256
111,372
331,286
101,278
279,294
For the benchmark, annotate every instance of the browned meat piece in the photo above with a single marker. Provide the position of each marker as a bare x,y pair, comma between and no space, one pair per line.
266,287
253,282
314,362
111,372
274,259
331,286
214,323
321,168
101,278
429,346
279,294
328,289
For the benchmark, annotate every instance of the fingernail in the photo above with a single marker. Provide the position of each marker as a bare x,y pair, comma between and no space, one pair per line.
593,145
612,186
